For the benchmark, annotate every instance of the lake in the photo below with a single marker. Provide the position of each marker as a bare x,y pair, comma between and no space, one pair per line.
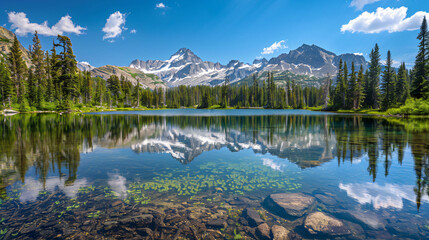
220,174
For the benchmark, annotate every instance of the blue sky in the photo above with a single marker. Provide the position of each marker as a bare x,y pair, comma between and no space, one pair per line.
218,30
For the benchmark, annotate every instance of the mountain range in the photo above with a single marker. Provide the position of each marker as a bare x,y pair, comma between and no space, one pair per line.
186,68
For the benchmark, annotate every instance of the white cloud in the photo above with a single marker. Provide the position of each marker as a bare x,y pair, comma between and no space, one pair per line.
114,25
389,195
275,46
385,19
358,54
23,26
359,4
160,5
133,31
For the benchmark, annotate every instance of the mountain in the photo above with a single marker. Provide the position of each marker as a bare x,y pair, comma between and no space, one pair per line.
313,61
186,68
84,66
146,80
6,41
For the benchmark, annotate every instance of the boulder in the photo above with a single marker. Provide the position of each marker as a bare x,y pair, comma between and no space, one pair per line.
289,204
263,231
320,223
252,217
280,233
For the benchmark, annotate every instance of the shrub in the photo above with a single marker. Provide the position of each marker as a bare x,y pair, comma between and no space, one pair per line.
411,107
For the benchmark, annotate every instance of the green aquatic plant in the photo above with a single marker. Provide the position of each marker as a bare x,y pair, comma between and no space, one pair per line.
137,197
237,236
86,189
94,214
3,231
262,215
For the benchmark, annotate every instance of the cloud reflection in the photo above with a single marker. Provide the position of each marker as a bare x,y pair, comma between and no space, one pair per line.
389,195
117,183
33,187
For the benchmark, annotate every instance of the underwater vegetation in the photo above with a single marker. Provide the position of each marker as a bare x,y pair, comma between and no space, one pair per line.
215,177
220,176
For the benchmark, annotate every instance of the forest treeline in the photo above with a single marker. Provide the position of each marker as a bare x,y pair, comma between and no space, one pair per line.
52,81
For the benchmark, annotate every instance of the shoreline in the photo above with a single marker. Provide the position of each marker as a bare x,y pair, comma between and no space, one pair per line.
345,112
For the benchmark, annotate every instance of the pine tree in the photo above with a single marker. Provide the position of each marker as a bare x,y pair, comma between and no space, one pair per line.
114,86
339,87
373,87
6,84
345,84
387,84
360,94
421,68
68,80
38,60
137,89
49,83
32,88
255,91
206,99
100,89
268,91
326,91
403,86
352,89
17,68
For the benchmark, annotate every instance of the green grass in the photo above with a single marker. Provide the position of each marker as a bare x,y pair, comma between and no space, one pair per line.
140,75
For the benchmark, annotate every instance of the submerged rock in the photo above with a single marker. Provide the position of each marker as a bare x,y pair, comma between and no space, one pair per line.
367,218
289,204
142,219
320,223
263,231
326,199
252,217
217,224
280,233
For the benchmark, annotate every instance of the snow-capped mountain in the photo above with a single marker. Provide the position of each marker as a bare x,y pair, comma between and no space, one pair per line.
313,61
186,68
84,66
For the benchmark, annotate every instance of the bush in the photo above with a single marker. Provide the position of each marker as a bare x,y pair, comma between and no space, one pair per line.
411,107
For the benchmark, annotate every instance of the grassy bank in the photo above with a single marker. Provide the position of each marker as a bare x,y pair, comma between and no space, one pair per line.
412,108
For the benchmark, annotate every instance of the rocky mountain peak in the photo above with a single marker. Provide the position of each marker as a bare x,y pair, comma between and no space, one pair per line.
84,66
261,60
184,56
